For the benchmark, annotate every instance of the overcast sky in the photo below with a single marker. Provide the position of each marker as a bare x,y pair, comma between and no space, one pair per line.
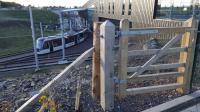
72,3
66,3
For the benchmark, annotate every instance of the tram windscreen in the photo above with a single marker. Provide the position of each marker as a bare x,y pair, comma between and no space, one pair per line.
39,44
81,35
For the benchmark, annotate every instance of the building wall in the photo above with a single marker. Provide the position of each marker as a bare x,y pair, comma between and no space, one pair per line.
141,13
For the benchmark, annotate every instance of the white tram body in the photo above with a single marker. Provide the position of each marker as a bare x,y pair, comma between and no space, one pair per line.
54,43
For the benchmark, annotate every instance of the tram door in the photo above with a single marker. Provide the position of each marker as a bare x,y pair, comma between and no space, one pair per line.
51,46
78,38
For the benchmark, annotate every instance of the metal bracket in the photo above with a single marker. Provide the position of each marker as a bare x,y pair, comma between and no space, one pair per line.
192,29
117,34
134,33
101,36
139,32
118,81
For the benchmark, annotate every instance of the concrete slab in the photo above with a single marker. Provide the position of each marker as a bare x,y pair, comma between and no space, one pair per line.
195,108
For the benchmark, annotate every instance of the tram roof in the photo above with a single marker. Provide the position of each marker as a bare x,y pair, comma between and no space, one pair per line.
70,33
74,9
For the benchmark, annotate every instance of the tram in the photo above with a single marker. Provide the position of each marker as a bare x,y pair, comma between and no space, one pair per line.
51,44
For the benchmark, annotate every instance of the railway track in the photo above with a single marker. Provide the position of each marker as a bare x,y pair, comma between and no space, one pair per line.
26,59
31,58
16,53
29,61
15,56
25,56
42,63
80,48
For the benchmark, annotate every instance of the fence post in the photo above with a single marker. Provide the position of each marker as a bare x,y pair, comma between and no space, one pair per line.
188,40
96,61
123,59
33,37
107,32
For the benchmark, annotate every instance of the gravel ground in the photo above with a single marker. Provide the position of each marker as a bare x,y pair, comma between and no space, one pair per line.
137,103
64,93
15,91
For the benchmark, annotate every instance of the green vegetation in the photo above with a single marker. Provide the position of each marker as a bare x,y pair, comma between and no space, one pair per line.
15,31
23,15
9,4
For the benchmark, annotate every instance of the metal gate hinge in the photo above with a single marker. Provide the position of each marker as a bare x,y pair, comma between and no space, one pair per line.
118,81
117,34
101,36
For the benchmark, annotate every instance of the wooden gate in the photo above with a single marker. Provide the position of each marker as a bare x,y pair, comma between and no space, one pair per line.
187,36
105,80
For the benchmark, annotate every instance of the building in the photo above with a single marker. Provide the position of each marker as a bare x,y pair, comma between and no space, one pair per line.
145,12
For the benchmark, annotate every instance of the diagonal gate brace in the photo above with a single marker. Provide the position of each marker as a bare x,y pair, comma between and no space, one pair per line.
157,55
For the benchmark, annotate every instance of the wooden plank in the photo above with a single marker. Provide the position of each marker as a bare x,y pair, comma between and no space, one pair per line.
164,30
27,105
157,55
188,40
154,51
96,62
134,91
147,77
78,95
176,104
127,34
140,16
116,47
107,32
123,58
157,67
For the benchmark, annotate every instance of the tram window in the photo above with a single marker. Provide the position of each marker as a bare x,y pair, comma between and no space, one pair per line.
70,39
46,45
66,40
57,42
81,35
84,35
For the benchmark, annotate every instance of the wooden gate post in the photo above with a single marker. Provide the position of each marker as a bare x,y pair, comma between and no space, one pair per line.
96,61
123,59
188,40
107,32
